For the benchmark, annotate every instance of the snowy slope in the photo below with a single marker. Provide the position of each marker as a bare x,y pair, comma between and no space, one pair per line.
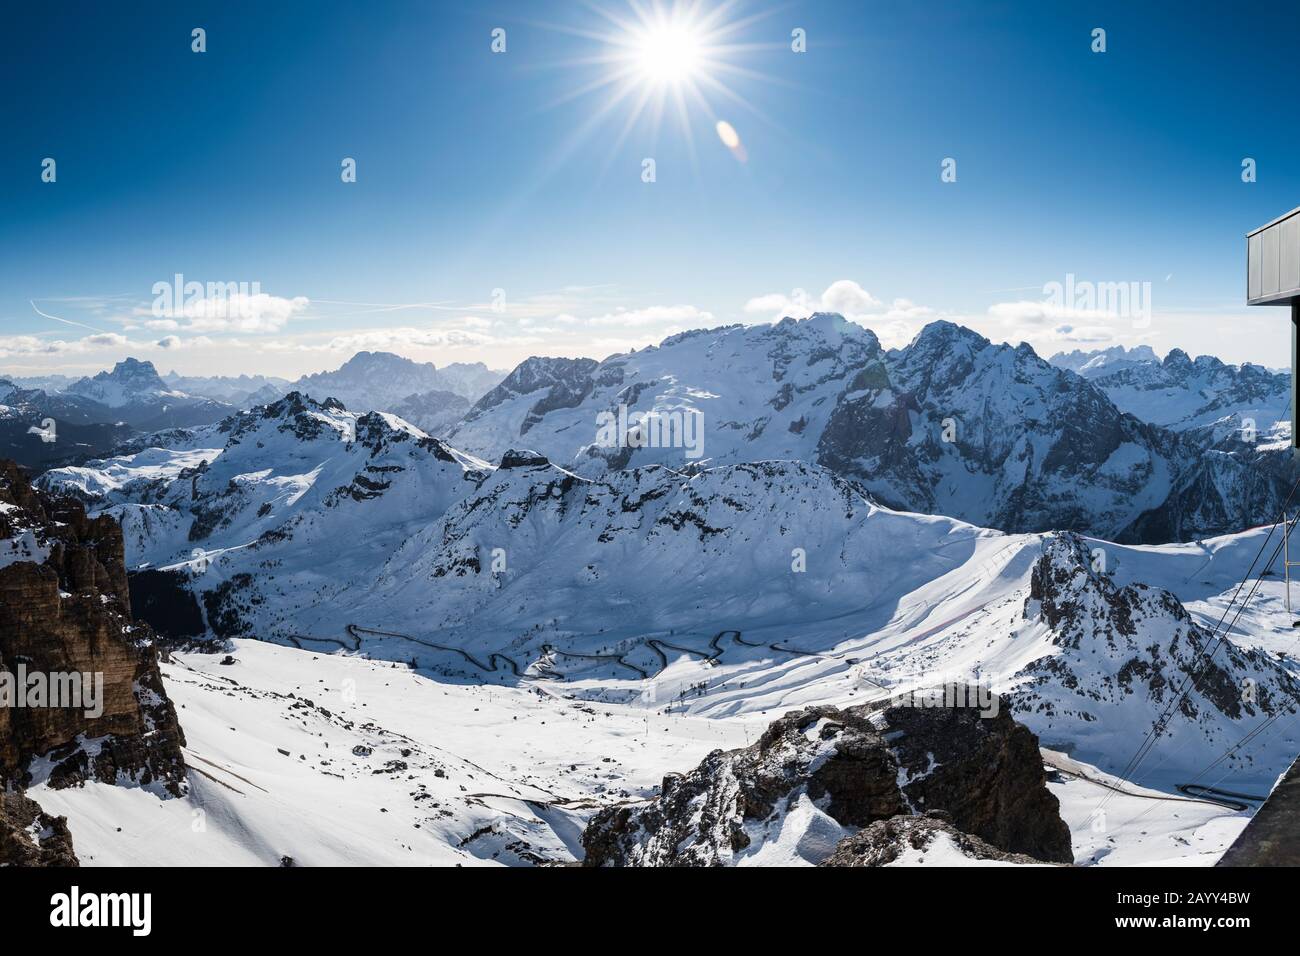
303,497
493,775
332,760
952,424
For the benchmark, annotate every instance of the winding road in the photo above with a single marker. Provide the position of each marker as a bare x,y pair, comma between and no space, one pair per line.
356,630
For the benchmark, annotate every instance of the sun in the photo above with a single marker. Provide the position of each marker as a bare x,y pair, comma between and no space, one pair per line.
653,61
668,53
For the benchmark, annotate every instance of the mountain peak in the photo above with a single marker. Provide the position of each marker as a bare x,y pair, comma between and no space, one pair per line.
136,373
941,331
130,380
367,361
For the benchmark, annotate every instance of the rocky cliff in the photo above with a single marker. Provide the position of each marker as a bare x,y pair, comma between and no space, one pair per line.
819,775
31,837
79,680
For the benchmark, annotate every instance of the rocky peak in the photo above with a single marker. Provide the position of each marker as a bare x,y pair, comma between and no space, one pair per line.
1126,654
31,837
843,770
1177,361
367,362
538,372
132,375
525,458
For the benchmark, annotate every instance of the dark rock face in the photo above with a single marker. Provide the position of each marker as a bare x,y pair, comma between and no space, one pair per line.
31,837
984,772
65,609
523,459
561,382
1234,484
909,839
859,766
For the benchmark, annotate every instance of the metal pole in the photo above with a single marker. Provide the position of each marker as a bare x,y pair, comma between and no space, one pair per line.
1286,562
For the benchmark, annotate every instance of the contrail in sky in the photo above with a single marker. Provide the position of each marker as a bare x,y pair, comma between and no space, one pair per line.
80,325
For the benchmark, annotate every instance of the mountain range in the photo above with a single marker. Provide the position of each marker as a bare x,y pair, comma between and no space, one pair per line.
951,424
310,525
640,604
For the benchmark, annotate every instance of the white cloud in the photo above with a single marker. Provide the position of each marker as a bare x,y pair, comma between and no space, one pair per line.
772,303
396,338
652,315
843,296
848,298
234,312
174,343
35,345
895,324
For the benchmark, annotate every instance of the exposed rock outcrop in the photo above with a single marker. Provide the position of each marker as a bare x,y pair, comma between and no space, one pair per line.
915,841
31,837
65,610
842,770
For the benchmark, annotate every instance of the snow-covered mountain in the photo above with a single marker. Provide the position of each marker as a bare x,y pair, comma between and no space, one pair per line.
952,424
136,394
46,383
39,430
287,505
633,586
435,413
241,391
312,526
1104,361
1181,394
379,381
129,382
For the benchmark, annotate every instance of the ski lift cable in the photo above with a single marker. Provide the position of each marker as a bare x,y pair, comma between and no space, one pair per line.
1206,655
1152,736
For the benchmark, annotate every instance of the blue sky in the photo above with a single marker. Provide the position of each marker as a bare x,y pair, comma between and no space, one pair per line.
481,171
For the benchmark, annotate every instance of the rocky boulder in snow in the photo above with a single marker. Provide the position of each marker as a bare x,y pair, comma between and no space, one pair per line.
818,775
917,841
31,837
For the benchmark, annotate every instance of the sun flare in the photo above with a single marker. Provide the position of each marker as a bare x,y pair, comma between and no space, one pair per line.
668,52
648,63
